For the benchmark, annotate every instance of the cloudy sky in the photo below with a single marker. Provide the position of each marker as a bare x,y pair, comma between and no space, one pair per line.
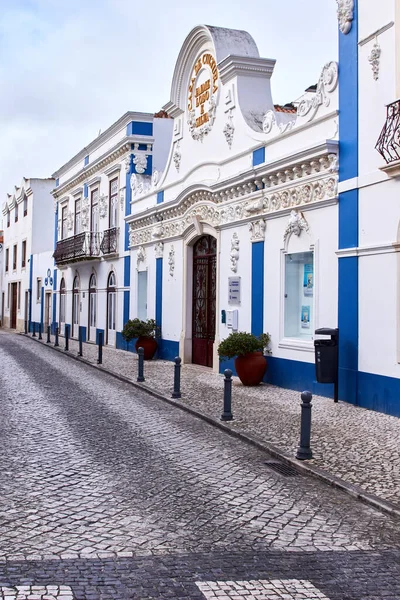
69,68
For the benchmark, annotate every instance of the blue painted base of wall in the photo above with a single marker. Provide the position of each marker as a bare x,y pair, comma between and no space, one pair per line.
121,344
379,393
97,336
54,325
84,332
167,349
289,374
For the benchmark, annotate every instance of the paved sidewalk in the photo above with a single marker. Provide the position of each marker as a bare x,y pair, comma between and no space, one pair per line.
351,446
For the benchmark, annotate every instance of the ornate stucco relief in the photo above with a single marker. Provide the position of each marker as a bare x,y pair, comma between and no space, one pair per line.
159,249
327,84
229,129
296,224
140,256
177,156
234,254
345,13
374,60
103,206
257,230
85,213
309,182
171,260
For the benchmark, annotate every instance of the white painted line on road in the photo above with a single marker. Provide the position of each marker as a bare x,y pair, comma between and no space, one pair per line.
39,592
262,589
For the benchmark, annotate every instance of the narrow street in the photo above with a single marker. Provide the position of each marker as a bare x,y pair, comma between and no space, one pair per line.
108,493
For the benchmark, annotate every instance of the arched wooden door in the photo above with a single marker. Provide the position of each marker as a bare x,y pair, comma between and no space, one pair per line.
204,300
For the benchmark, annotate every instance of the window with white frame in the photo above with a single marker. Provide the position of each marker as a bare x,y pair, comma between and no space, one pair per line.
62,300
38,289
299,295
25,205
77,228
15,257
113,208
64,226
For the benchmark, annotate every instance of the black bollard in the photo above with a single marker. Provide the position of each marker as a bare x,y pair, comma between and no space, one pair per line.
33,329
40,331
26,327
80,336
100,344
177,378
227,414
304,450
66,334
140,376
48,335
56,338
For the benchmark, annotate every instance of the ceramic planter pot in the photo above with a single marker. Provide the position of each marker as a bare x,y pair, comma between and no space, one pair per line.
149,345
251,368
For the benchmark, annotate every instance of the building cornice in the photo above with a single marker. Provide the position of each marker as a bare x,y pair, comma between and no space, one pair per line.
250,197
232,66
115,153
103,137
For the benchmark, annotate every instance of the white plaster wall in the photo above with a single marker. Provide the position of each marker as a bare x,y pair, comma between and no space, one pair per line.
42,215
243,271
374,95
172,292
379,213
162,133
372,16
378,314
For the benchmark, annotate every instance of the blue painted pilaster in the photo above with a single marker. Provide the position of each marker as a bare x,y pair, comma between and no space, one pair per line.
127,283
159,290
41,306
54,324
348,213
30,291
257,288
128,198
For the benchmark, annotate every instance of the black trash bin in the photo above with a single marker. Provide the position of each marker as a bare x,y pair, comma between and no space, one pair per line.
326,357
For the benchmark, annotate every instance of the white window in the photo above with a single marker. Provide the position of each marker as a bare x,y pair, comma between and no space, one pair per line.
142,295
38,289
299,295
62,301
92,302
77,216
64,216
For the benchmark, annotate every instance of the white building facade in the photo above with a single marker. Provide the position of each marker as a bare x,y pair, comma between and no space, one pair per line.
369,211
28,233
240,230
92,196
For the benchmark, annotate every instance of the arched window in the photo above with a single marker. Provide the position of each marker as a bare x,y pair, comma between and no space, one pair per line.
75,307
111,308
92,307
62,301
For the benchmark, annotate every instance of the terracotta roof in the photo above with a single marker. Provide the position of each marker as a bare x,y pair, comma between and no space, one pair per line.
162,114
287,108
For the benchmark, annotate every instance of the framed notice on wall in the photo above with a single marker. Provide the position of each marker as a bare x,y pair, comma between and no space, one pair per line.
234,290
305,317
308,280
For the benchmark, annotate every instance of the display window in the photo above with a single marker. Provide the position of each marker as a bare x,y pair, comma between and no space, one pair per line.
299,295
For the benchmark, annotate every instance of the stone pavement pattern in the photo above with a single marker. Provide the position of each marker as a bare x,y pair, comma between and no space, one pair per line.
361,447
119,495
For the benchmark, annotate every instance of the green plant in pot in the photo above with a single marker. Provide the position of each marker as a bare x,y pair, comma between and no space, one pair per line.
145,332
250,363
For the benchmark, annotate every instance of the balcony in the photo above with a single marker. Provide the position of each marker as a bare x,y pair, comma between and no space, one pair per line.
88,245
388,144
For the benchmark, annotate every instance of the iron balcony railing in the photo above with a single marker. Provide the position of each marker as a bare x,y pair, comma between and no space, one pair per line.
109,243
86,246
388,143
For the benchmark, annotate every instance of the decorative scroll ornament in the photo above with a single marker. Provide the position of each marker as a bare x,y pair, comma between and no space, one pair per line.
234,252
70,221
257,230
140,162
155,178
141,255
127,163
177,156
326,85
345,13
140,184
374,60
159,249
171,260
229,130
85,213
122,198
296,224
269,121
103,206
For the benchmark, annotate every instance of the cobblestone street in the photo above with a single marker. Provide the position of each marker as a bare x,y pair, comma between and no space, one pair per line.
109,493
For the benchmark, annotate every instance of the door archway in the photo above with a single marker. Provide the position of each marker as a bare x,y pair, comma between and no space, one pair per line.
204,300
